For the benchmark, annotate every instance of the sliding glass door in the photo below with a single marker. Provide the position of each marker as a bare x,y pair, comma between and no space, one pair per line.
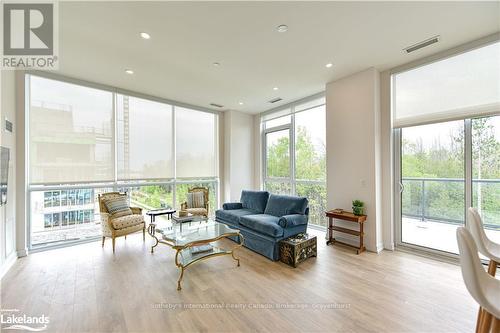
433,184
435,188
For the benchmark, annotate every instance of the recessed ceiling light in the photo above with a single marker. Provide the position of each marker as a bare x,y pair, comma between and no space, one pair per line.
145,35
216,64
275,88
240,103
129,71
282,28
329,65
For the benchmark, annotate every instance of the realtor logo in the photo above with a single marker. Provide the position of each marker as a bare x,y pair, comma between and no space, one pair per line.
29,35
14,319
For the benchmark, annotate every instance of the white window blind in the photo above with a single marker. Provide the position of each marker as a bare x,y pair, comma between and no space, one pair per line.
71,133
195,143
144,139
464,85
276,114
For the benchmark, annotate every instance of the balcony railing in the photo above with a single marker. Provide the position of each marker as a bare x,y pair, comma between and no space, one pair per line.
442,199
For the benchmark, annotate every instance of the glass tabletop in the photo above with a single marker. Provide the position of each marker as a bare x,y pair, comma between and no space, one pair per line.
195,232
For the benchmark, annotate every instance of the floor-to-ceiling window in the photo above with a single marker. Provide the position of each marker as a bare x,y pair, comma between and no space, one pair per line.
84,141
447,130
294,153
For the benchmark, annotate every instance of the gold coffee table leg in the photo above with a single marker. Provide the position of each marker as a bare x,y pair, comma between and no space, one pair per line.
151,232
180,278
239,245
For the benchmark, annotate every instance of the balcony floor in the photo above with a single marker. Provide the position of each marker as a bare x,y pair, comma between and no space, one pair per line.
436,235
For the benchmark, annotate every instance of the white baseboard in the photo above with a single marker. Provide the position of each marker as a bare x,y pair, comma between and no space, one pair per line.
389,246
8,264
22,253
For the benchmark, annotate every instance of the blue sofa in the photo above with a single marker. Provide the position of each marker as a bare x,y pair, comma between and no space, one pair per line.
264,219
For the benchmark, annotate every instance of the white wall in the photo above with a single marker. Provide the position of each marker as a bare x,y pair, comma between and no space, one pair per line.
387,161
238,154
353,146
257,148
7,139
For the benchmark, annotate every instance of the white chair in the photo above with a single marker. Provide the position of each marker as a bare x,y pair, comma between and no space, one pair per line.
485,246
484,288
488,249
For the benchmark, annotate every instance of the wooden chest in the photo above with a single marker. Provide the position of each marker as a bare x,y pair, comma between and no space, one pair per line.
298,248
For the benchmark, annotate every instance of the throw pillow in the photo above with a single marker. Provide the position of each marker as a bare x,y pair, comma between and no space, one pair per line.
196,200
117,206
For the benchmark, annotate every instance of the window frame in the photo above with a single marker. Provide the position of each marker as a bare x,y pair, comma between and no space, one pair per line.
289,110
116,184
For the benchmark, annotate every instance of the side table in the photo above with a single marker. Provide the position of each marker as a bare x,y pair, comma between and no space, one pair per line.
350,217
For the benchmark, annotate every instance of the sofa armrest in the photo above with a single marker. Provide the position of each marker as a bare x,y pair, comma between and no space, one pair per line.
288,221
232,205
136,210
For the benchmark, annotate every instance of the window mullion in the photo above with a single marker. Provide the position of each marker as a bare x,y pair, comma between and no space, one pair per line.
468,166
292,154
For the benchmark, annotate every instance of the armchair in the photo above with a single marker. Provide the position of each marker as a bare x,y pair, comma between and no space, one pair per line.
117,225
195,206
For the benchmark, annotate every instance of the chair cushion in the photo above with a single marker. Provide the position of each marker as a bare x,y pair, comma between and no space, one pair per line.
256,200
127,221
263,223
197,211
196,200
279,205
234,215
117,206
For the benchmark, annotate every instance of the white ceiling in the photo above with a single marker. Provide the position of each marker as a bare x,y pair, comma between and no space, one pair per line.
98,41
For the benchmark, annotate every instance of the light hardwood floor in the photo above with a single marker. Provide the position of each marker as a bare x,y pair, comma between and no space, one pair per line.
88,289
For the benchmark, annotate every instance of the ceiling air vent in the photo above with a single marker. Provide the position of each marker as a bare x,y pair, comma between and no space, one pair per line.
275,100
421,44
217,105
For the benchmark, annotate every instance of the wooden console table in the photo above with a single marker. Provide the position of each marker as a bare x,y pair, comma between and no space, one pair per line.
346,216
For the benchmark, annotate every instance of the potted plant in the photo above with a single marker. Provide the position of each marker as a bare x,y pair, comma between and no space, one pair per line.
358,207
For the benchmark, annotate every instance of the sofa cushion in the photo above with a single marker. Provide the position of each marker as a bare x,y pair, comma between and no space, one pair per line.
256,200
234,215
127,221
263,223
280,205
232,205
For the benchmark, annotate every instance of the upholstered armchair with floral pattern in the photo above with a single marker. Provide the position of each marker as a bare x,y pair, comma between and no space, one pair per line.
197,201
117,218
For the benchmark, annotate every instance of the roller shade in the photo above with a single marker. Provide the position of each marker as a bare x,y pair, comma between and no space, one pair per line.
144,139
196,134
462,86
71,133
294,107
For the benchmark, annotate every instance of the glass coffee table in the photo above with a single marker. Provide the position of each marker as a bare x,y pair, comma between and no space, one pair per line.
192,244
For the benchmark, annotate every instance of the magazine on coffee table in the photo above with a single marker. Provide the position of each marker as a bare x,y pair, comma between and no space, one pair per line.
202,249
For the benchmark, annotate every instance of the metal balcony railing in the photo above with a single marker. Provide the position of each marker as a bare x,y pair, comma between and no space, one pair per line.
440,199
